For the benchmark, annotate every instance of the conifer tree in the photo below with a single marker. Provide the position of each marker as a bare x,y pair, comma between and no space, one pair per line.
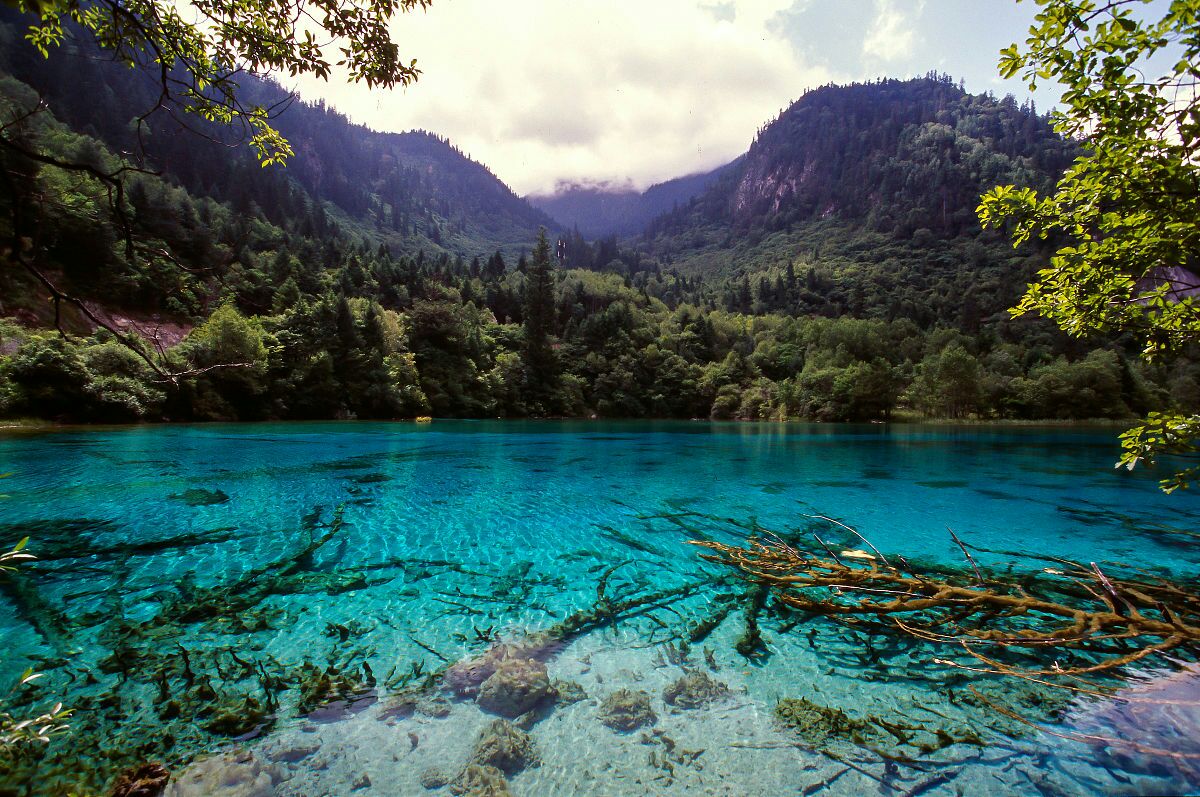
541,362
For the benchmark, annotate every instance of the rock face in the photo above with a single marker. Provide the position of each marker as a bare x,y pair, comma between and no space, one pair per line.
516,686
505,747
626,710
237,774
694,690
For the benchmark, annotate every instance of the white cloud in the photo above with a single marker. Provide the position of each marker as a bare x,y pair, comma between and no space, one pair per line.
597,89
893,34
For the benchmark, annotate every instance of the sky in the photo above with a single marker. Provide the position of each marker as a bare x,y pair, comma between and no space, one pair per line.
634,92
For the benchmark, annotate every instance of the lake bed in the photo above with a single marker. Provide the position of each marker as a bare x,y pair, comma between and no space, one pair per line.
273,607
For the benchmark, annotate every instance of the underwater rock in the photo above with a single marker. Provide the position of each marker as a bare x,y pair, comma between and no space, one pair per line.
291,755
148,780
434,706
199,497
626,710
464,678
1150,727
821,725
694,690
535,715
505,747
515,687
568,692
434,778
237,774
481,781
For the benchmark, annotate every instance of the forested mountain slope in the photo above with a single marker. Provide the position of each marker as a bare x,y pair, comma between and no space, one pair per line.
861,199
365,279
895,156
412,191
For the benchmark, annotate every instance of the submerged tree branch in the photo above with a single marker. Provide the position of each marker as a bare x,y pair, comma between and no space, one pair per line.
1097,622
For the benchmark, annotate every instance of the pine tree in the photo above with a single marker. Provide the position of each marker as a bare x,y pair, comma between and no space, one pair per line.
541,362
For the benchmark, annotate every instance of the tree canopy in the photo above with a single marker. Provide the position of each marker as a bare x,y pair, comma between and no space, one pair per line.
1125,218
199,59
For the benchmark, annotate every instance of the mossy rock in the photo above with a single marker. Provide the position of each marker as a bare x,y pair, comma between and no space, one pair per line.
819,726
435,706
694,690
568,692
516,687
434,778
148,780
236,719
322,688
627,710
505,747
481,781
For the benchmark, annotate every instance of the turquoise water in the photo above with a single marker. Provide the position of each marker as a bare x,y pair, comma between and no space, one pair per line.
442,536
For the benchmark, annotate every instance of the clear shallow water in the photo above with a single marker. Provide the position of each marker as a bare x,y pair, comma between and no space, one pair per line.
455,531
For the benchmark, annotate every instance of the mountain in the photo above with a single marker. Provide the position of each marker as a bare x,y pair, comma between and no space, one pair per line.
834,272
600,210
860,200
892,156
411,191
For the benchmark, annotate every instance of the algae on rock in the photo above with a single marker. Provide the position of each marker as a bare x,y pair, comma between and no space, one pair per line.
819,726
627,710
517,686
505,747
694,690
481,781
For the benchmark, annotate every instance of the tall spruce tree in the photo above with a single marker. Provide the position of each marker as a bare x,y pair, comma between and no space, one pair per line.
541,362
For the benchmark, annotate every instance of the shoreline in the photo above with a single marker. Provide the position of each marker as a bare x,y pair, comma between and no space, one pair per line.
36,425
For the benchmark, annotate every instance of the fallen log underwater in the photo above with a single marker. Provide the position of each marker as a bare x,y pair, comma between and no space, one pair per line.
1094,620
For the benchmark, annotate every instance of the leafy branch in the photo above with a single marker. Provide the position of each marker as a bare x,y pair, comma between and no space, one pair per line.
1126,216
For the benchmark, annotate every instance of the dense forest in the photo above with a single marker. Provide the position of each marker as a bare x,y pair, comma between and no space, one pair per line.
835,272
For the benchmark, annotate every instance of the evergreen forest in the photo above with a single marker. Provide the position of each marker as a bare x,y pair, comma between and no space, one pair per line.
835,272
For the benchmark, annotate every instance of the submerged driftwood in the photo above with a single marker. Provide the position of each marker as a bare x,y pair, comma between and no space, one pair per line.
1091,620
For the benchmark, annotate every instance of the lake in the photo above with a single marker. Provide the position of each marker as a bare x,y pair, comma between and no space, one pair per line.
278,603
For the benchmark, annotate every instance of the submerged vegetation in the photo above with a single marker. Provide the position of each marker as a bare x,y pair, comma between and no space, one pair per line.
18,731
413,284
1094,620
249,650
